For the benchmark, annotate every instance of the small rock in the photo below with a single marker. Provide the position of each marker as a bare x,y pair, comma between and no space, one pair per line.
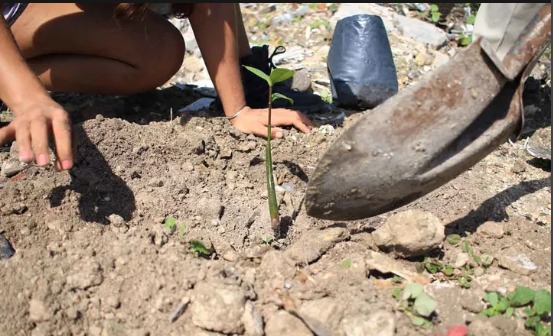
252,319
12,167
6,249
218,307
85,273
518,167
426,232
491,229
471,301
283,323
516,262
14,209
312,245
113,302
325,312
483,327
420,31
38,311
461,260
116,220
60,226
378,323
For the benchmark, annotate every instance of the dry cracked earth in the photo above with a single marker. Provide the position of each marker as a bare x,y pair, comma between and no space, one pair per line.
108,248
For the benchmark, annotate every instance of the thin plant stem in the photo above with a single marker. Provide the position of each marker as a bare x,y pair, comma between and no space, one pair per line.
273,208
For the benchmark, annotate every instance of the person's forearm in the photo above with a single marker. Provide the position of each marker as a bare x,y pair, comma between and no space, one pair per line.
214,27
17,81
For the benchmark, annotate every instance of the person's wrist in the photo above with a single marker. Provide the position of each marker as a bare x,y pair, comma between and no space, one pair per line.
19,105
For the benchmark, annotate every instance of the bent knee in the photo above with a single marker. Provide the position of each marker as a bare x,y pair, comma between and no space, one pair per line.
163,59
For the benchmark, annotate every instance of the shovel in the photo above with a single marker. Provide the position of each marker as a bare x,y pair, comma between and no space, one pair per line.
429,133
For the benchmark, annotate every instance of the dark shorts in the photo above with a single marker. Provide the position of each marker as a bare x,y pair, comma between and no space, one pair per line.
12,11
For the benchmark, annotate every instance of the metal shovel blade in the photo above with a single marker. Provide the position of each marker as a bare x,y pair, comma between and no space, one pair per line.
425,135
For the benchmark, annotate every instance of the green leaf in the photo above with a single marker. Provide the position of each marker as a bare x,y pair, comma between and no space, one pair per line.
259,74
532,321
417,320
448,270
280,75
465,247
433,267
509,312
425,305
453,239
182,229
542,302
488,312
434,8
346,263
477,259
487,261
542,330
412,291
199,248
170,222
471,19
521,296
277,95
396,293
492,298
502,305
436,16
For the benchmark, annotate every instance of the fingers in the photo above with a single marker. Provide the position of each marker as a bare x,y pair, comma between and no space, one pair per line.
23,137
62,134
294,118
261,131
39,138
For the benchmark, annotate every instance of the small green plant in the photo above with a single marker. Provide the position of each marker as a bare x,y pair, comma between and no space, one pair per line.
199,249
435,13
463,276
277,75
415,303
346,263
534,306
267,240
171,224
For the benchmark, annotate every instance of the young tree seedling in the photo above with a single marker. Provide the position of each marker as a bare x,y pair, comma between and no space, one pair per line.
277,75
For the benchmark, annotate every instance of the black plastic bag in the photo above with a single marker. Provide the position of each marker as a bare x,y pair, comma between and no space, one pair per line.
360,63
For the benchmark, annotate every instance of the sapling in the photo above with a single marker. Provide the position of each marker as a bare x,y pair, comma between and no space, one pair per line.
277,75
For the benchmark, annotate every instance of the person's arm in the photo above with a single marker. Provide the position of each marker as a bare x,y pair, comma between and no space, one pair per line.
214,27
34,111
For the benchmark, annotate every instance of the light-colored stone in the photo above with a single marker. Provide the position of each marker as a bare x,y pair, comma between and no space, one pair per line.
516,262
283,323
253,321
218,307
38,311
410,233
85,273
313,244
378,323
491,229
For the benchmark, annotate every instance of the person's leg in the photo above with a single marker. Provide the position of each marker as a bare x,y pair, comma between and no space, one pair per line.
81,48
501,23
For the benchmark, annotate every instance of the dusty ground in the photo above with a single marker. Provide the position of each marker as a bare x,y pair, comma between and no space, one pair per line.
93,256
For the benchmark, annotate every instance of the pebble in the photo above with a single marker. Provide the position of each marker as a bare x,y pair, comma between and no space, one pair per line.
516,262
283,323
491,229
6,249
426,232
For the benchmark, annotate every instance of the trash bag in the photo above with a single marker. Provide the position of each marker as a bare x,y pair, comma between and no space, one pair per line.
360,63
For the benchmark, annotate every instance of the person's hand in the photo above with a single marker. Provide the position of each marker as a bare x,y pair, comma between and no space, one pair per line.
254,121
31,127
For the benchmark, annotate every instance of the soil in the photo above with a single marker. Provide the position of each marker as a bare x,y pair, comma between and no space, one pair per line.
94,257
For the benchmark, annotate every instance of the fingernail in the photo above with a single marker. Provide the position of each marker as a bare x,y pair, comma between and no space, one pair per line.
42,159
66,164
25,156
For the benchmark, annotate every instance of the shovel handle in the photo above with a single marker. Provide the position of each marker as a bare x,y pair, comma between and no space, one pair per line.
530,45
